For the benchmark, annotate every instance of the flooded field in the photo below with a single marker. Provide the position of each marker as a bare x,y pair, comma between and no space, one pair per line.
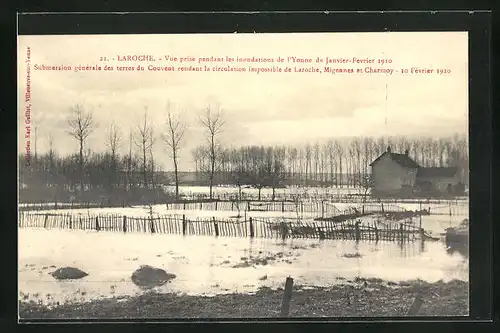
210,266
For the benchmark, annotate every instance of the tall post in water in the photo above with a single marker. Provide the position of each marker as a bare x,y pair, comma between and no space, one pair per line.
358,233
183,224
287,297
283,230
251,228
152,225
216,227
124,223
420,214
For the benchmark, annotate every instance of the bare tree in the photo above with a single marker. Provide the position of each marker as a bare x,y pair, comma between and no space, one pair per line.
213,123
276,168
128,178
152,161
51,158
144,141
113,139
113,143
339,151
51,151
308,156
173,138
365,184
316,158
81,126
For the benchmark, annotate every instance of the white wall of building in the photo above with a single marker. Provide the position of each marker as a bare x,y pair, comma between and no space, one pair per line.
391,176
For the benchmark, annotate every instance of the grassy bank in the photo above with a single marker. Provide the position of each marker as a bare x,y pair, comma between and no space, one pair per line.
360,298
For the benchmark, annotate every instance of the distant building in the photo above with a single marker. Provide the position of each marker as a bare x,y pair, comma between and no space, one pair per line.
399,174
442,180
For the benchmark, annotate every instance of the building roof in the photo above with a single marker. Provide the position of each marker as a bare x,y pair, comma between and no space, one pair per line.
436,172
402,159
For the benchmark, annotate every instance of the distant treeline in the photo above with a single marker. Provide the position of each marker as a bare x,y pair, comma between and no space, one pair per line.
136,175
340,163
333,163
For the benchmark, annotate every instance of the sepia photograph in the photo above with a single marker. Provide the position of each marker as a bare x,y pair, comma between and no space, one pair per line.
243,175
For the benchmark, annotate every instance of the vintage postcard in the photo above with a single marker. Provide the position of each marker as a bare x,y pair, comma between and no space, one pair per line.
243,175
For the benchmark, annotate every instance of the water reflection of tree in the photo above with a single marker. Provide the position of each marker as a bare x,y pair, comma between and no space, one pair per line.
400,249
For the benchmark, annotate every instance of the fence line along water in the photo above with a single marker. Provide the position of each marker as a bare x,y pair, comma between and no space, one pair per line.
353,229
331,196
317,208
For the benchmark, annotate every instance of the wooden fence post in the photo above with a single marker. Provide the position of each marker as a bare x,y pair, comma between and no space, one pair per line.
321,233
282,206
376,233
358,233
401,231
184,224
201,205
124,223
97,223
70,222
152,225
216,227
283,230
46,220
382,205
287,297
422,233
322,209
415,306
251,228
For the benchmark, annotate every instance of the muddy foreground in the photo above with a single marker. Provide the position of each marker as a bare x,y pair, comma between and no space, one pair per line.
360,298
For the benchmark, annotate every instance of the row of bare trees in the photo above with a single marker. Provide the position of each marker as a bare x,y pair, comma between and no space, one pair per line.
87,170
338,162
346,162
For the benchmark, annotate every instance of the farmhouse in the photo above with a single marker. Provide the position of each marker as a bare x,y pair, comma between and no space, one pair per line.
399,174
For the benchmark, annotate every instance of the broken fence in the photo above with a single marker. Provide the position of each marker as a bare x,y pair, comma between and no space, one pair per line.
252,227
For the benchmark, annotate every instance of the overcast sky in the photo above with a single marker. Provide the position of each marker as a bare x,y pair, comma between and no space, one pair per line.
263,108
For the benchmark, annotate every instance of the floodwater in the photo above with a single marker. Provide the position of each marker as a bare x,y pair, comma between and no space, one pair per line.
204,265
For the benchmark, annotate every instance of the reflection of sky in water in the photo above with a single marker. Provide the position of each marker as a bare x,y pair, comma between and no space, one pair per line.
203,265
